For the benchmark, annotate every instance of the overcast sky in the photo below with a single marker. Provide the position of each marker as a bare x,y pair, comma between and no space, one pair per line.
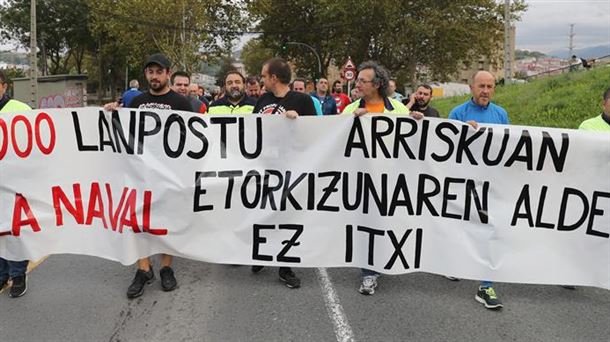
545,26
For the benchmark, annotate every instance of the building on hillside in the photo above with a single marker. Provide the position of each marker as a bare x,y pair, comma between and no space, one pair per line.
533,66
496,67
207,81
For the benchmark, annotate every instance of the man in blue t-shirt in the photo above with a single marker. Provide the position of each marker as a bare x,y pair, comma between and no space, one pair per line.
298,85
480,109
129,94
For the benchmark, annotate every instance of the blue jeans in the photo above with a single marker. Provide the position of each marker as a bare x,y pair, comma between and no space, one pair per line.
486,283
11,269
365,273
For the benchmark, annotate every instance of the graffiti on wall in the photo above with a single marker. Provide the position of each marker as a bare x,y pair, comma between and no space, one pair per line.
72,97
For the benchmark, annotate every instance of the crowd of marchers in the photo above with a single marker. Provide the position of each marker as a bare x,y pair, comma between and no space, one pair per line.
276,92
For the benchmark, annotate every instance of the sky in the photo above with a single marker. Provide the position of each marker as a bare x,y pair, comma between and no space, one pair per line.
545,26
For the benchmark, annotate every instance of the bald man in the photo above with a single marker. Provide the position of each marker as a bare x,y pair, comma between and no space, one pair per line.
480,109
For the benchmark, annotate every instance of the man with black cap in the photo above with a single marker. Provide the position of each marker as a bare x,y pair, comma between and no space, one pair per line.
159,96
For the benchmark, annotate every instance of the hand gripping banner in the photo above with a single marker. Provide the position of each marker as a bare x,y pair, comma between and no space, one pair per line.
388,193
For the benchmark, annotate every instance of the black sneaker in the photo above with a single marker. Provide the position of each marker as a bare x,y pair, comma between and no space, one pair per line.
168,281
256,269
19,286
487,296
136,289
289,278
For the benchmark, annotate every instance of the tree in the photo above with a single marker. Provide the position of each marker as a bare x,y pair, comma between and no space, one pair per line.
182,30
226,65
254,54
401,35
63,35
127,31
523,54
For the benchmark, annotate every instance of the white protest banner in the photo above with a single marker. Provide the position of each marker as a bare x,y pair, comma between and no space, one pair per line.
389,193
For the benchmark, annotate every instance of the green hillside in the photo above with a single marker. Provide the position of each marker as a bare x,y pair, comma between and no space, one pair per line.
556,101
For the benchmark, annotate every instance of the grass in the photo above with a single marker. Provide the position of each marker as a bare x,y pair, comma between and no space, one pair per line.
562,101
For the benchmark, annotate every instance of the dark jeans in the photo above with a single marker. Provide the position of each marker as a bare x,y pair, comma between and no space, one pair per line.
365,272
11,269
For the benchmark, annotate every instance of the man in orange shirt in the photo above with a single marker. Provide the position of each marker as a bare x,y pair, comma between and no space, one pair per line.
372,84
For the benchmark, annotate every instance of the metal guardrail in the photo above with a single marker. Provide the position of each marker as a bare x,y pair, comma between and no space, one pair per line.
596,62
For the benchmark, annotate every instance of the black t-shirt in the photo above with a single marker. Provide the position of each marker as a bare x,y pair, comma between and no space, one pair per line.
170,100
429,112
299,102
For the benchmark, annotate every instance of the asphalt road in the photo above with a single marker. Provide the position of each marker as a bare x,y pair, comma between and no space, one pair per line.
78,298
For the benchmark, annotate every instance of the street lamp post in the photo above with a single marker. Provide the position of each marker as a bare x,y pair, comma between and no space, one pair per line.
33,56
314,52
507,44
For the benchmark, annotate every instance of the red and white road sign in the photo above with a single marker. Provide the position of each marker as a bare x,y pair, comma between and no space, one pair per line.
349,70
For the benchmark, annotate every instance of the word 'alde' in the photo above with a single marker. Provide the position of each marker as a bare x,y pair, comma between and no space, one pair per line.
584,210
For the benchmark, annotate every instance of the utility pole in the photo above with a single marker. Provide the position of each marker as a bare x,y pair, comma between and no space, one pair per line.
33,56
508,72
571,46
184,35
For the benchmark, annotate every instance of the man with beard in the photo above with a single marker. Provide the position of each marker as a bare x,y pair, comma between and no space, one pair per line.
329,106
253,87
420,100
341,99
235,100
159,96
181,83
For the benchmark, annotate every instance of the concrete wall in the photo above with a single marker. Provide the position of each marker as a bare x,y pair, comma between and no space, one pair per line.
57,91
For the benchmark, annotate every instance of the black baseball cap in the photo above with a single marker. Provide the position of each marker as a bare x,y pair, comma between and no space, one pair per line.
159,59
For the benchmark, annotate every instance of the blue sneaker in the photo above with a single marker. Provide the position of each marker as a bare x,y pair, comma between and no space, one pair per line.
487,296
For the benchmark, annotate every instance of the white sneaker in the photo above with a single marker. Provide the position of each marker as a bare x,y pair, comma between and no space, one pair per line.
369,283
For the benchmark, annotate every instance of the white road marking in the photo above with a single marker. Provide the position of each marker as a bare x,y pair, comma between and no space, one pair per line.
343,331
